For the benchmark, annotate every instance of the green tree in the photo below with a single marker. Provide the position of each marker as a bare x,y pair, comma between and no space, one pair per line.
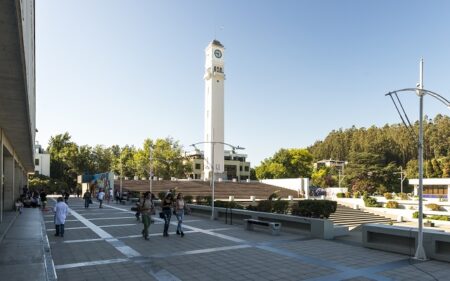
286,163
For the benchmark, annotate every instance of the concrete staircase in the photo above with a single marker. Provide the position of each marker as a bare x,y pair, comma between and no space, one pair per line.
354,218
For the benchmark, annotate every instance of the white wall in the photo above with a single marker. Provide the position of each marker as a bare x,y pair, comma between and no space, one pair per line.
44,164
301,185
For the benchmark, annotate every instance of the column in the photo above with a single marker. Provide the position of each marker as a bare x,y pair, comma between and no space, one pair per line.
8,200
17,181
448,193
1,177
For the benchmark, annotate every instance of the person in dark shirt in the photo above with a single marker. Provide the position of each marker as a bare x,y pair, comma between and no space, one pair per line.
43,196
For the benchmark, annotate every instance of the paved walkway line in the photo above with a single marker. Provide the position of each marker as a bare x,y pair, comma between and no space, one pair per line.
126,250
82,264
48,259
68,228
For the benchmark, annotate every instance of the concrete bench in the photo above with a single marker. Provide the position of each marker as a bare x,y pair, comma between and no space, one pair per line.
403,240
275,227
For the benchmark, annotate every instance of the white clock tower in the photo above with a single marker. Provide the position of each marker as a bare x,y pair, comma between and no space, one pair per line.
214,110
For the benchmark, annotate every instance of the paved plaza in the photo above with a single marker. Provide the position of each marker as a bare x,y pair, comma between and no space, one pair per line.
106,244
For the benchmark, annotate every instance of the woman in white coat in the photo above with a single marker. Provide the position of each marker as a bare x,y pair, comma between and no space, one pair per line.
61,211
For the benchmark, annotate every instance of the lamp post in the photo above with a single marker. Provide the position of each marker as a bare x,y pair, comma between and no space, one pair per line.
421,92
213,170
150,176
402,178
121,175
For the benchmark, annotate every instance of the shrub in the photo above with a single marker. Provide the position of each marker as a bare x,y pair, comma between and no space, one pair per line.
416,215
370,202
280,206
340,195
228,204
208,200
188,199
388,196
356,194
392,204
437,217
347,195
161,195
403,196
315,208
433,206
264,206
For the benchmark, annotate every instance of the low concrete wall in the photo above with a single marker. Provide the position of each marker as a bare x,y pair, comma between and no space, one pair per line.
403,240
318,228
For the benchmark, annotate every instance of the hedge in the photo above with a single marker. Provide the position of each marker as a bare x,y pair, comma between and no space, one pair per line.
315,208
392,204
433,206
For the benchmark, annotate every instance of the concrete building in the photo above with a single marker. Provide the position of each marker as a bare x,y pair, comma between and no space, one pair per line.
235,165
338,164
17,98
41,161
433,187
214,110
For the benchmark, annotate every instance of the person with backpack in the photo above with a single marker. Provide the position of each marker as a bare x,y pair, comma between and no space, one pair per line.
87,199
146,209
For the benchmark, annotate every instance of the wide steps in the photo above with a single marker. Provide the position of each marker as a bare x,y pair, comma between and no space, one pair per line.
352,218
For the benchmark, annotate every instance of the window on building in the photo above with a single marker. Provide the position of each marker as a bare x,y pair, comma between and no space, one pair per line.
197,166
36,162
240,168
247,168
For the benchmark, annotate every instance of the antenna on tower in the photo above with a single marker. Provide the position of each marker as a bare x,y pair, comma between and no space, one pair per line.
215,31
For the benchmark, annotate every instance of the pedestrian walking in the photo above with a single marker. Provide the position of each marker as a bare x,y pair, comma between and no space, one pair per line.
100,197
66,196
43,196
179,213
117,197
146,210
87,199
167,205
61,211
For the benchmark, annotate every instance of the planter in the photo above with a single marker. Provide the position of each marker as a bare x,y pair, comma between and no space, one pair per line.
428,224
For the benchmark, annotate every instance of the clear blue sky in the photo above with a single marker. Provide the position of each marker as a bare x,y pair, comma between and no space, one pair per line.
117,72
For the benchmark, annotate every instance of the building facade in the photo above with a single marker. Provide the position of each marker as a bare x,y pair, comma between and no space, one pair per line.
17,99
235,166
41,161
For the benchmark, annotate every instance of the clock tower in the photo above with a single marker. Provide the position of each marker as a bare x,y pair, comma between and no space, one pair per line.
214,110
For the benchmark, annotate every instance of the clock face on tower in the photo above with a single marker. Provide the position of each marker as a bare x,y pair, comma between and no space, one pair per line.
217,53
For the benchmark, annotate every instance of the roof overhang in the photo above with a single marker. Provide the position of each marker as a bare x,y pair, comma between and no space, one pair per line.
17,102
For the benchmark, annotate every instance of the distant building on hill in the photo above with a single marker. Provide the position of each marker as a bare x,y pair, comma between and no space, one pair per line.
338,164
41,161
236,166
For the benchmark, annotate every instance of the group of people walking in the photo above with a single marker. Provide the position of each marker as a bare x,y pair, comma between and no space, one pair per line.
145,208
169,206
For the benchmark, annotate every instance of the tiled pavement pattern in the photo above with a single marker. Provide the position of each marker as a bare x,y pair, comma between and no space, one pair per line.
105,244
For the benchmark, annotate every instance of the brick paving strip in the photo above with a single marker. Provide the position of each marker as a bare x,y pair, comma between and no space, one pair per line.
340,272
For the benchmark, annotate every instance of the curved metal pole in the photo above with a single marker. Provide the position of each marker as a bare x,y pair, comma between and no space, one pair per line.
213,168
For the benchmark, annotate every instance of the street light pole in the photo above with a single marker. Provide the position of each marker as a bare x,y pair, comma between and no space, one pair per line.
420,252
212,182
421,92
150,176
213,168
121,175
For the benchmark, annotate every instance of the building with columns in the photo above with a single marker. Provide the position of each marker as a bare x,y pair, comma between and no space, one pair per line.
17,99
